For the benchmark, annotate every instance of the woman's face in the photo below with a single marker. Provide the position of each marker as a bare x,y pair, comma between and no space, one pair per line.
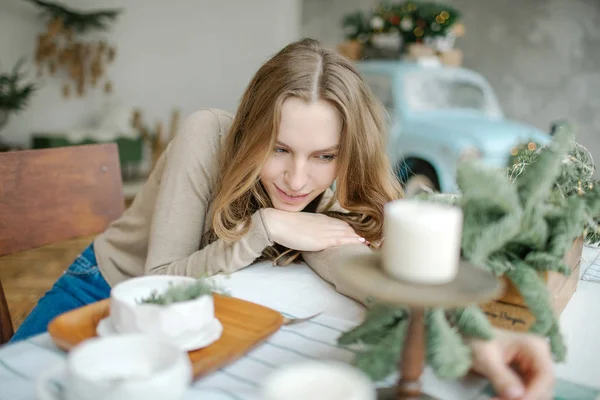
304,162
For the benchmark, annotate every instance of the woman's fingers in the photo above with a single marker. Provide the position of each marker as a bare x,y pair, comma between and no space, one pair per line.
539,369
342,240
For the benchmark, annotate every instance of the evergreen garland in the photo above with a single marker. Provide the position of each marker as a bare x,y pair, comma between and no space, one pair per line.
413,21
517,223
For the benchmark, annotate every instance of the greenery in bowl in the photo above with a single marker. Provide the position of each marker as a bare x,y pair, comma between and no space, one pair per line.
181,292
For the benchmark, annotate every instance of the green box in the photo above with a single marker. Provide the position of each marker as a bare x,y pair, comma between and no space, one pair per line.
131,151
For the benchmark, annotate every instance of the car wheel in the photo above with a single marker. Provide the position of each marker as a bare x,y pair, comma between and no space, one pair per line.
416,184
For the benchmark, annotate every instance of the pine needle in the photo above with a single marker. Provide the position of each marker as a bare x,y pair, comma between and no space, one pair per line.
477,182
381,360
546,262
557,343
379,321
449,357
535,183
536,296
472,322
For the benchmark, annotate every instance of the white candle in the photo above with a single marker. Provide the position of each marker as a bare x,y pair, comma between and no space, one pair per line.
422,241
316,380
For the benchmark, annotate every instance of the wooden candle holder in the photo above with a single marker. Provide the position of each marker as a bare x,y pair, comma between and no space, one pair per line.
472,285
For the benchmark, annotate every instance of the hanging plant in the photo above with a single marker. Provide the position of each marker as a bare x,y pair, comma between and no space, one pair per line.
63,47
14,96
14,93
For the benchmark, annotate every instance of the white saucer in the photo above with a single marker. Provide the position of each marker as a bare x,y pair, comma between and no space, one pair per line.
187,343
49,386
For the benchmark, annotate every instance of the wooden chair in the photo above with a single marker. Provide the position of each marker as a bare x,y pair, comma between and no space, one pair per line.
53,195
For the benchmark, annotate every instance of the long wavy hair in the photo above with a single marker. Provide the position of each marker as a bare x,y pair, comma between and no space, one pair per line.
365,180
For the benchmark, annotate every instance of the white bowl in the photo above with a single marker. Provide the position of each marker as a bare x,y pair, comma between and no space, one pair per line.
318,380
172,322
123,367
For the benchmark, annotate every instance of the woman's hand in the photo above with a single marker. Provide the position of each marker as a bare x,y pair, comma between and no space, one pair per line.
518,365
308,231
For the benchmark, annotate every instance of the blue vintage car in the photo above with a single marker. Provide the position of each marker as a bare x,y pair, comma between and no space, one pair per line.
439,114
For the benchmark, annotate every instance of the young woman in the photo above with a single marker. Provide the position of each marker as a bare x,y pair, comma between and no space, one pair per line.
230,190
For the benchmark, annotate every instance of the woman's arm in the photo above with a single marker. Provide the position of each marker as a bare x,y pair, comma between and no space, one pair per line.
178,222
328,264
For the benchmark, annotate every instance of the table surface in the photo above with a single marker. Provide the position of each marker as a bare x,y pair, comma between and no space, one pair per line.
285,289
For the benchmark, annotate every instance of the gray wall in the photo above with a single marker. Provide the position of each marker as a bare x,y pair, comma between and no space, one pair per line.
186,54
541,56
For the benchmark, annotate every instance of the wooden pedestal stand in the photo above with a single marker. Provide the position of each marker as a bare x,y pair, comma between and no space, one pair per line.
472,285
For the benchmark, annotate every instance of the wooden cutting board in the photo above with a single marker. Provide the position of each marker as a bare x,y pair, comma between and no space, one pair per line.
245,325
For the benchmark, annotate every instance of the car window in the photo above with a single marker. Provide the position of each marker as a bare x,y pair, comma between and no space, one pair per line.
382,87
430,92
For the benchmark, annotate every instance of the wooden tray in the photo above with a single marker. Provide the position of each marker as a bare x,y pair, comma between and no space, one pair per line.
245,325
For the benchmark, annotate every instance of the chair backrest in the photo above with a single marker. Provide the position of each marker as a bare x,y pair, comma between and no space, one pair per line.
55,194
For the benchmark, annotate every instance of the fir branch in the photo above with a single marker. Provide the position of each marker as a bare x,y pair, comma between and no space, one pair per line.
534,230
535,183
592,200
477,182
566,226
576,176
379,321
449,357
179,293
578,168
592,237
471,321
542,261
489,221
498,263
536,296
519,166
381,359
557,343
490,237
592,232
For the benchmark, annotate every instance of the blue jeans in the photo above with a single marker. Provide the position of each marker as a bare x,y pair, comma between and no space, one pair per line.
81,284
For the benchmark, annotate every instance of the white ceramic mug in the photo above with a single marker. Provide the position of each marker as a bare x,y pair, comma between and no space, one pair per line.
318,380
124,367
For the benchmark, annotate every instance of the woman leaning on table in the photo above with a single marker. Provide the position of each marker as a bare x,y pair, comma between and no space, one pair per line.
230,190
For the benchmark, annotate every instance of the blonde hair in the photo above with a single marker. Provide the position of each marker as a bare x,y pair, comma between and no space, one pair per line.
365,180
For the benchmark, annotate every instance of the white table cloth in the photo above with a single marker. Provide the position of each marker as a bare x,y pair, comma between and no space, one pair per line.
298,291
